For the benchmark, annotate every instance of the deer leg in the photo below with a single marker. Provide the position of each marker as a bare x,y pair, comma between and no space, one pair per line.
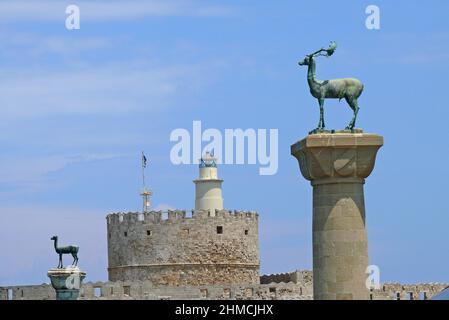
353,104
75,259
321,122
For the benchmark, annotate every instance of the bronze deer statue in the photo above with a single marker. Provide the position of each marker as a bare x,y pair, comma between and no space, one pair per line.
348,88
73,250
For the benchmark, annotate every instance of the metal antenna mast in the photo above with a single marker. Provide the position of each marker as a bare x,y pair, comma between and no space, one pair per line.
146,194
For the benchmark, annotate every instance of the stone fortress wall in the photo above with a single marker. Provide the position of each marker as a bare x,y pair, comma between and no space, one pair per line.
298,276
295,285
209,254
208,247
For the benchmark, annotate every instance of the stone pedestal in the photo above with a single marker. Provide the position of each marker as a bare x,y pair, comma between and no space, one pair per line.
67,282
337,165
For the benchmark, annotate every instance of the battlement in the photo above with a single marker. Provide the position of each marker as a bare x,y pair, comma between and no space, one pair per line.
146,290
155,217
297,276
178,247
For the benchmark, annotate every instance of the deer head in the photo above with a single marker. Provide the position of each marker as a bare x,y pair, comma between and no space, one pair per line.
322,52
305,61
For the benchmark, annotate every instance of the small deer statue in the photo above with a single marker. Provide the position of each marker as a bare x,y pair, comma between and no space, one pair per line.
348,88
73,250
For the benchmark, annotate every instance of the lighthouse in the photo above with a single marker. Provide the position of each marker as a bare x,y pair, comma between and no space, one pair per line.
208,194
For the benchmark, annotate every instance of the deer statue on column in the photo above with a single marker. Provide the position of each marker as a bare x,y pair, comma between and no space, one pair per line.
348,88
73,250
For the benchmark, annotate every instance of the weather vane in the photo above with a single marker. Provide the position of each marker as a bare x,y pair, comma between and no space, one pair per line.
348,88
146,194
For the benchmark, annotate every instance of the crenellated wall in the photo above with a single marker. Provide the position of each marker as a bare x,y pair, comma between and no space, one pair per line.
145,290
397,291
298,276
291,290
206,248
28,292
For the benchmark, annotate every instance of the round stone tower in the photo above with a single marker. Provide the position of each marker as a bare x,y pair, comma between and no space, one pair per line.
212,246
208,187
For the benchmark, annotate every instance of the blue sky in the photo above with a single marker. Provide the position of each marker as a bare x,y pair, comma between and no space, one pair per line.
77,107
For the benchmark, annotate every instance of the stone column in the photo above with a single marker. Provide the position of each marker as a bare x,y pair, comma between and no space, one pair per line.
337,165
66,282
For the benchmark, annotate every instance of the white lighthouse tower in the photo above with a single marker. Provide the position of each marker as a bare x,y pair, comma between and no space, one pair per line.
208,187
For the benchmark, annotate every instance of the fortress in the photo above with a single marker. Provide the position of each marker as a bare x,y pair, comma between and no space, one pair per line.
209,247
212,246
208,253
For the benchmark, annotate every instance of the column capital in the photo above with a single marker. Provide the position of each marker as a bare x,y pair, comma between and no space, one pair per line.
66,282
329,156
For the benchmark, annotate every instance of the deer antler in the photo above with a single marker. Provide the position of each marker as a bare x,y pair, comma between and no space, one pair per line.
329,51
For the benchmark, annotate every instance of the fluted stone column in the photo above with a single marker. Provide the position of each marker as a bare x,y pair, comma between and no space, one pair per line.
337,165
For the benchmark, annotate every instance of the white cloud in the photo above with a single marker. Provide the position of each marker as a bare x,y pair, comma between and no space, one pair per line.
61,45
48,10
22,174
420,49
112,89
32,48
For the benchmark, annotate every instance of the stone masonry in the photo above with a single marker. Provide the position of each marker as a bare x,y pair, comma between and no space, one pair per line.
204,249
337,165
295,285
